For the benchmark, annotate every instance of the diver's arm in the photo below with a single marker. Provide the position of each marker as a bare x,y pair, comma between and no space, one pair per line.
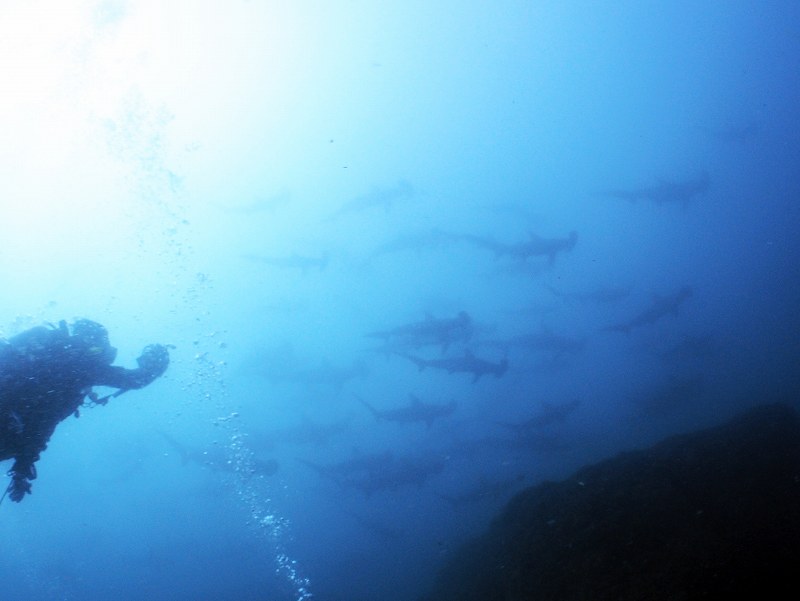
120,377
153,362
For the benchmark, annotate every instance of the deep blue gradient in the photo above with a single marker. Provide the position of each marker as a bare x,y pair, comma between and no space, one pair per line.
267,185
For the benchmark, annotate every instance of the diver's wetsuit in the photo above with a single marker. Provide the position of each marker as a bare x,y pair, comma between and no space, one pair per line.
45,374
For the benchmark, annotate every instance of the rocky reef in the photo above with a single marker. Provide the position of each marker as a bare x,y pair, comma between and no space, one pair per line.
697,516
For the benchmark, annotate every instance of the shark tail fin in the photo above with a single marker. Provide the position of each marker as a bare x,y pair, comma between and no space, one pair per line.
555,292
371,409
182,451
501,368
420,363
573,240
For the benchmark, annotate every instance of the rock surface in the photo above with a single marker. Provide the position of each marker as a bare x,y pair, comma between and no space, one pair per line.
697,516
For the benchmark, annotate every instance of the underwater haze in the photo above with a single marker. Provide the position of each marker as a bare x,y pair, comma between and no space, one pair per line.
412,257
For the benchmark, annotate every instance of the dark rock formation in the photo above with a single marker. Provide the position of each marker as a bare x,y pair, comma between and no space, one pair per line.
698,516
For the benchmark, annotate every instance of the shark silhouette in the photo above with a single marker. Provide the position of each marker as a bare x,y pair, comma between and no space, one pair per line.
661,307
535,246
216,459
437,331
469,363
377,197
666,192
415,411
550,414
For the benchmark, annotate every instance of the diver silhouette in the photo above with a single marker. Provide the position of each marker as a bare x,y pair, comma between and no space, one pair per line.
46,375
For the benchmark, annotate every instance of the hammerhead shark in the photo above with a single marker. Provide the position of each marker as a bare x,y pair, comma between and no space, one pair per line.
402,472
440,331
217,460
377,197
415,411
535,246
661,307
549,414
357,463
469,363
376,472
307,432
666,192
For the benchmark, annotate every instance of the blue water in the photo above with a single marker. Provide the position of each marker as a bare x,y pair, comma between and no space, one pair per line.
264,184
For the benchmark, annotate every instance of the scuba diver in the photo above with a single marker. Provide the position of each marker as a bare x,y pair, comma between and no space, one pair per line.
46,375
